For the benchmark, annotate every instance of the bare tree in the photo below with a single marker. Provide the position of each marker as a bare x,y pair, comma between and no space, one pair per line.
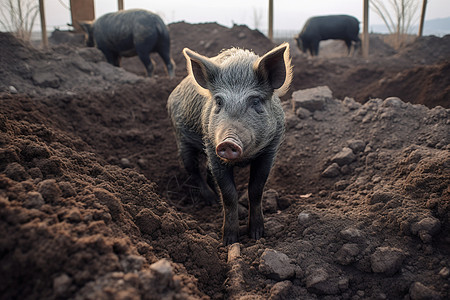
18,17
398,15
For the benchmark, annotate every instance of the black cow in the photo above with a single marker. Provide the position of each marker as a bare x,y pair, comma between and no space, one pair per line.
337,27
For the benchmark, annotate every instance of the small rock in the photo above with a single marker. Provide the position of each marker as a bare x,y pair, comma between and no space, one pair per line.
351,234
142,163
61,284
281,290
132,263
360,293
304,217
12,89
319,282
387,260
351,104
347,254
356,145
426,228
418,291
332,171
163,271
311,99
425,237
302,113
276,265
344,157
393,102
125,163
376,179
444,272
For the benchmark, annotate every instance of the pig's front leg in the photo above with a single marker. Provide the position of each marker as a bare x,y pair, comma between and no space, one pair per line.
223,175
259,172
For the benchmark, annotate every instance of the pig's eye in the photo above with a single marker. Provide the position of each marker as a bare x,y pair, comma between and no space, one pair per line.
219,101
219,104
256,101
257,105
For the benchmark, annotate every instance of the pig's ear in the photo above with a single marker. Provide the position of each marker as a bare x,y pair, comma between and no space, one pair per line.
275,67
201,67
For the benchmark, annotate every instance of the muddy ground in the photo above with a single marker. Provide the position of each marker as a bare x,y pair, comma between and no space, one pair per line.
94,203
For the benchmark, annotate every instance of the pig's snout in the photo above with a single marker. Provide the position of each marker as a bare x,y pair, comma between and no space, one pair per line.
229,150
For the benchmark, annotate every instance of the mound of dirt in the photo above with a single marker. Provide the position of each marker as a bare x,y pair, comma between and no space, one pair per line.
434,87
94,203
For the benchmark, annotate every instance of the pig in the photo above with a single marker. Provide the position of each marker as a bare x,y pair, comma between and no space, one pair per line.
228,108
338,27
129,33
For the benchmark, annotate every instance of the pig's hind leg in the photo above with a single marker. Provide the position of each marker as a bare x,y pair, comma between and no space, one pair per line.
143,51
163,49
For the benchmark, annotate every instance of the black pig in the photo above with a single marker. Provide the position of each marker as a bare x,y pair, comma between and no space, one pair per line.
335,27
229,108
129,33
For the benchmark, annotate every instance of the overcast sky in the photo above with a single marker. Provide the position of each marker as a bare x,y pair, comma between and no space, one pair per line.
288,14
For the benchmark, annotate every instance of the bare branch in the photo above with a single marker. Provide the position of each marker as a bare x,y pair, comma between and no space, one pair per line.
19,16
398,18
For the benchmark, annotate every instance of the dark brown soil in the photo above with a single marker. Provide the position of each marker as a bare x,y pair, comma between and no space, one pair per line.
94,203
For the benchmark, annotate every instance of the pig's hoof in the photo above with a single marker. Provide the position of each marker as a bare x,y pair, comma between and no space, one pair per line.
229,239
256,233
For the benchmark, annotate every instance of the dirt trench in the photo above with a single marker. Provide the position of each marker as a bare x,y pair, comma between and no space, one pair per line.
96,205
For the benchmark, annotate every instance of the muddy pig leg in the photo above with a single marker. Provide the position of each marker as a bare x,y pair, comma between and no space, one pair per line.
164,51
143,51
223,175
259,172
348,43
